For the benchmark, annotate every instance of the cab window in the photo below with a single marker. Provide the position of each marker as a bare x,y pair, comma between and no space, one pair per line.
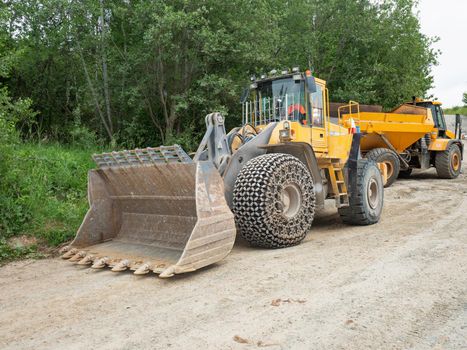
315,109
440,118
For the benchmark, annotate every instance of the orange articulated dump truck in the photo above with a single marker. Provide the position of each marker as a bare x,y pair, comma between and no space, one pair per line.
411,136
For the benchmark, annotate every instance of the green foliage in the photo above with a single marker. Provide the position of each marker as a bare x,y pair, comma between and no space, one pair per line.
15,115
81,136
462,110
141,72
43,191
368,51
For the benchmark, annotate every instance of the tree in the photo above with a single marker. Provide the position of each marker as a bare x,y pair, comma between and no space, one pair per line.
146,72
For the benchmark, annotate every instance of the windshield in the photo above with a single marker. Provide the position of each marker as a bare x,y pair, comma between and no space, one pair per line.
276,100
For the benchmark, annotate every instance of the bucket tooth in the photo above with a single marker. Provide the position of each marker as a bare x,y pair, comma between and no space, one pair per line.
121,266
142,270
64,249
100,263
78,256
70,253
169,272
88,259
159,268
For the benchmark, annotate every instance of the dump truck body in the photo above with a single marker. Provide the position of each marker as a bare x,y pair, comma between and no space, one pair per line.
402,129
410,136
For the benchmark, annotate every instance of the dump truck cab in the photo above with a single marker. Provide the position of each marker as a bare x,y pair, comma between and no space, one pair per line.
437,115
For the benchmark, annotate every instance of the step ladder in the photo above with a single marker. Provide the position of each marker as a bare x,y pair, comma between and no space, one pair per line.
339,188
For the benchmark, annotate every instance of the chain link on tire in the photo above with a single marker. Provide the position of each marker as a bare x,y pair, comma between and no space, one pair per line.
261,215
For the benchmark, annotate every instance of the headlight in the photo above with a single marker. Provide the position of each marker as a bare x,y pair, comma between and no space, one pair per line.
284,135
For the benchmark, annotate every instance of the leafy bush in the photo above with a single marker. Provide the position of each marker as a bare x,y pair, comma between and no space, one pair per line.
81,136
43,192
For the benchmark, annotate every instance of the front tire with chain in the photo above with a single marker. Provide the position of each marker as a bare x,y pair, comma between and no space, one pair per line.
274,201
366,204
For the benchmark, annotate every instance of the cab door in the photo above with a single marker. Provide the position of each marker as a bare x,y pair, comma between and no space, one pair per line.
316,114
440,121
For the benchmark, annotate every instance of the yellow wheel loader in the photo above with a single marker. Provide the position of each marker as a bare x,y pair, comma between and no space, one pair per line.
158,210
413,135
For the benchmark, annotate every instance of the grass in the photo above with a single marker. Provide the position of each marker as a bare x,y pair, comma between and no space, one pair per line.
42,195
456,110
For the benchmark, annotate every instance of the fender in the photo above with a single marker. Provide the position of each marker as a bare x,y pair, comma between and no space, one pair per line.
440,145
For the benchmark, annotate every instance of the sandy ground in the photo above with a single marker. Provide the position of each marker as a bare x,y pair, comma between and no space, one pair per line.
399,284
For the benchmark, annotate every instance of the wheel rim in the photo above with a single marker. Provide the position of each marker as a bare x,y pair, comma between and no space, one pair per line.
390,169
291,200
455,161
372,193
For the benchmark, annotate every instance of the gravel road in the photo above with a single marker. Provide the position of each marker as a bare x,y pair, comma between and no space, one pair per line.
396,285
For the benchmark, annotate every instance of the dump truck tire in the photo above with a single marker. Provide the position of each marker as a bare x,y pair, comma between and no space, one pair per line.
388,157
274,201
405,174
448,163
366,204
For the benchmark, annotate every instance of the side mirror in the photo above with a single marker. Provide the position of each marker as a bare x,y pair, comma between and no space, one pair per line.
310,83
245,93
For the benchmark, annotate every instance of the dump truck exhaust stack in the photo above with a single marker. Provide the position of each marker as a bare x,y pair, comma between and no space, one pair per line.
153,210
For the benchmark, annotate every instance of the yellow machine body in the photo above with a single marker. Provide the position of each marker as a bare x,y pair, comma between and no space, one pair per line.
157,210
403,126
401,129
414,133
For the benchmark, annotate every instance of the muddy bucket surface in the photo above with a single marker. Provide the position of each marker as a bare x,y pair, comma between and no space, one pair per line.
165,217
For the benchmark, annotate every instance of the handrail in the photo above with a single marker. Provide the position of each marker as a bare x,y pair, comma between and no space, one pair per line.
349,106
326,111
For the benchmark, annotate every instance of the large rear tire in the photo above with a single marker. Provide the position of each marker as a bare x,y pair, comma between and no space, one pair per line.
366,204
274,201
448,163
388,157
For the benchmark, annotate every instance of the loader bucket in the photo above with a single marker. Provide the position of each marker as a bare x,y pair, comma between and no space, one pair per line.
154,210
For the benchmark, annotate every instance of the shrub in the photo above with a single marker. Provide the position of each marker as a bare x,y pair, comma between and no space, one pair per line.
43,191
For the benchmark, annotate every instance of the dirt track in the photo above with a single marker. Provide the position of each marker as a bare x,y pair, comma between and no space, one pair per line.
399,284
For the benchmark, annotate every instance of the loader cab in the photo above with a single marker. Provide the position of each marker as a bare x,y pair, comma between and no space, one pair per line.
290,96
437,114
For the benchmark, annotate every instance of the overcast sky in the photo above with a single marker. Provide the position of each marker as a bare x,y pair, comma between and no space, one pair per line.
447,19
